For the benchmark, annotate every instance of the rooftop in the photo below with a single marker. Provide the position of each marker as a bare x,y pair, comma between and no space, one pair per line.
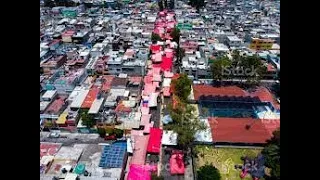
233,130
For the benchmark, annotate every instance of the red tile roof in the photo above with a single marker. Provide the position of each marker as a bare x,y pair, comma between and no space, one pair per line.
91,96
271,125
107,83
234,130
56,105
265,96
262,93
49,149
207,90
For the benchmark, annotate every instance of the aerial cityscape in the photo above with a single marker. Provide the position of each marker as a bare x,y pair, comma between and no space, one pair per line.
160,89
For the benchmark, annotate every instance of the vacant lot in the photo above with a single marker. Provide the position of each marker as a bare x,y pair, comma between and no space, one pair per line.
224,159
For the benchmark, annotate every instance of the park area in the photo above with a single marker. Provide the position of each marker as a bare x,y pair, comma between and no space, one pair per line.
224,159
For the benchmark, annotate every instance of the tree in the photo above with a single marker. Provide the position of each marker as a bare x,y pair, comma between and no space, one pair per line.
165,4
87,119
154,176
236,58
204,112
182,87
155,37
256,67
49,3
272,155
171,4
118,133
219,68
197,4
180,53
109,131
185,124
175,34
160,4
102,132
208,172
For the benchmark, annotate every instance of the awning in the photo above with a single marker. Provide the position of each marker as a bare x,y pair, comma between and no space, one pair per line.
177,164
141,172
154,140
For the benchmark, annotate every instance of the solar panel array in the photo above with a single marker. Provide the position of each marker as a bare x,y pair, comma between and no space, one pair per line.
113,155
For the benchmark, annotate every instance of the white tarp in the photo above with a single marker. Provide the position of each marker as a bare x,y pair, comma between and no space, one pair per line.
169,138
204,136
166,82
96,105
49,94
153,99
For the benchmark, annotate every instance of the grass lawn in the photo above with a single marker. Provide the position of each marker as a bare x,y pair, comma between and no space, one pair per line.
224,159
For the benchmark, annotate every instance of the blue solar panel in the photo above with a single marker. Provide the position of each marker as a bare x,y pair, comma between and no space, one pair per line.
112,156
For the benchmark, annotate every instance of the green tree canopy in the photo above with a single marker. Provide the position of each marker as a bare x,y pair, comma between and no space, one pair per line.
272,155
102,132
175,34
185,124
154,176
160,5
218,68
182,87
155,37
254,63
197,4
180,53
87,119
236,58
165,3
118,133
171,4
208,172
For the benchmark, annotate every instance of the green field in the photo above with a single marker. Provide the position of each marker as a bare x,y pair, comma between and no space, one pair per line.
224,159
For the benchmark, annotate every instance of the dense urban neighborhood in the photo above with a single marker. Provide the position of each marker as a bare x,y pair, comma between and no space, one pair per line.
159,90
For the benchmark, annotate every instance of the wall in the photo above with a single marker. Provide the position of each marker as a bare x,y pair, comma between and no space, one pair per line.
261,44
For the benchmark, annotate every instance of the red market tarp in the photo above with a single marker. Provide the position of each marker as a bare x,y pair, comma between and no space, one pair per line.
148,89
140,150
154,140
155,48
145,119
147,79
177,164
166,64
141,172
145,110
156,70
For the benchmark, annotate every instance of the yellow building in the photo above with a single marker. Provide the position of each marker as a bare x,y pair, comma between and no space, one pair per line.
261,44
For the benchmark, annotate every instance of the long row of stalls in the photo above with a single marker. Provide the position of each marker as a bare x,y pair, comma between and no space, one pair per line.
146,143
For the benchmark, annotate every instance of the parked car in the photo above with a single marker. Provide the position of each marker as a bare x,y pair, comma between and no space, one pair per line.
110,137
